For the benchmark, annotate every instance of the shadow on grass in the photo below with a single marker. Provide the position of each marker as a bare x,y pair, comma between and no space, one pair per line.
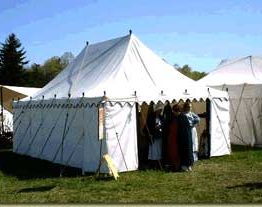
250,186
37,189
25,167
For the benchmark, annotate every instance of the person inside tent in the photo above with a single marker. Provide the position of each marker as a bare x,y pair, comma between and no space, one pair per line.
172,140
155,147
188,142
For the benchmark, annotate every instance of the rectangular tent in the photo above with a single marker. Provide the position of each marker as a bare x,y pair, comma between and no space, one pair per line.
89,109
242,79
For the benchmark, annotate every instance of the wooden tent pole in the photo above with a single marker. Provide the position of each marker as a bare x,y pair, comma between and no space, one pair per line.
2,111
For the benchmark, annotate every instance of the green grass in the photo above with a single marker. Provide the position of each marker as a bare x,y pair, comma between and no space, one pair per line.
229,179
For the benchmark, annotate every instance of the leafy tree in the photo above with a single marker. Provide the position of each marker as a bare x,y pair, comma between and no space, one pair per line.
67,58
39,75
34,76
187,71
12,60
52,67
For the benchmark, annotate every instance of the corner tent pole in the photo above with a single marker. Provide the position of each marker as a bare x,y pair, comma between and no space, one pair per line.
208,118
2,111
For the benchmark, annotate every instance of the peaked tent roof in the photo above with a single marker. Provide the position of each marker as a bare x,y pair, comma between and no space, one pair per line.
120,67
234,72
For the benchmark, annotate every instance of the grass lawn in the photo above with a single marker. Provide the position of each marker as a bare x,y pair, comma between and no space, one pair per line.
229,179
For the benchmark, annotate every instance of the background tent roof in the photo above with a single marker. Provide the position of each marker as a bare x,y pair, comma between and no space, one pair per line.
120,67
237,71
13,92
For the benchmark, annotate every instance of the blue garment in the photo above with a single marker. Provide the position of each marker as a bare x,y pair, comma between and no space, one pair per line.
155,148
186,122
193,119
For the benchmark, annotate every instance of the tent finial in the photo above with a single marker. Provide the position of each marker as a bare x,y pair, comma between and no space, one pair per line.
83,94
227,89
55,96
208,89
87,43
43,97
135,93
69,95
130,32
104,93
162,92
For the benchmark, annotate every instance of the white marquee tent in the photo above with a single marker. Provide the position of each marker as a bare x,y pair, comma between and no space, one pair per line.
7,95
242,78
95,97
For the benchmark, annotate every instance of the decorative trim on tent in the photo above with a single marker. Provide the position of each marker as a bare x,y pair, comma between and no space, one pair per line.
85,102
58,103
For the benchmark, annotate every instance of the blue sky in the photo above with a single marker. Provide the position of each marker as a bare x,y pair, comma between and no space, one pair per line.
195,32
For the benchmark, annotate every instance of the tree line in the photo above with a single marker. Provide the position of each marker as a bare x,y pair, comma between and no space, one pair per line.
14,69
15,72
187,71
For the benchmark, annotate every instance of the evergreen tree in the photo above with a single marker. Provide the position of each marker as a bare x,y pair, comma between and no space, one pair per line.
12,60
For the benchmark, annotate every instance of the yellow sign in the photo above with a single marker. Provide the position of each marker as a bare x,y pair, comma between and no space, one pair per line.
111,166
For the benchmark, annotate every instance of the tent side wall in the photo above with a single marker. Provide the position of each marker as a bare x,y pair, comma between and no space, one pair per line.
121,135
245,114
61,131
219,129
65,131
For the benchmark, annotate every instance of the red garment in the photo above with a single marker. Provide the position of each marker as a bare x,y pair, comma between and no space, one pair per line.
172,146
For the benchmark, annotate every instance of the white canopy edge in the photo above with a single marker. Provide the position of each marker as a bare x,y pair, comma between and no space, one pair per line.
159,98
10,93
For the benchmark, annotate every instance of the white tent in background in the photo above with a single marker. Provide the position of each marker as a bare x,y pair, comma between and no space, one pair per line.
242,78
7,95
10,93
96,97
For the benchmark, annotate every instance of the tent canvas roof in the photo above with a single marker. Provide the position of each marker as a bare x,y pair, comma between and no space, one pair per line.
237,71
121,67
15,92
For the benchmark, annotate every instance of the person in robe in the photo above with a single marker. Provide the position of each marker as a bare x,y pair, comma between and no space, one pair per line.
155,146
172,140
188,145
167,119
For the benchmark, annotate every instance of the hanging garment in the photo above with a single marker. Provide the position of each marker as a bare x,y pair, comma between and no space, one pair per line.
193,121
185,141
155,148
172,145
